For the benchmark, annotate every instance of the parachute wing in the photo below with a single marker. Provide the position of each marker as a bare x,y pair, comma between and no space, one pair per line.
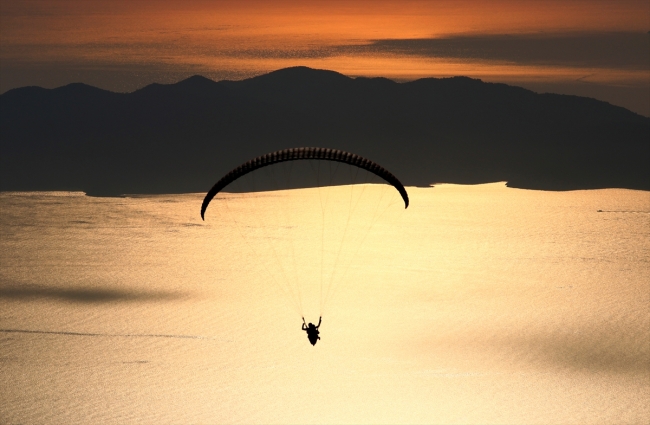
296,154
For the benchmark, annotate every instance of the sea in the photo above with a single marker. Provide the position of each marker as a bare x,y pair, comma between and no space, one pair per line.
477,304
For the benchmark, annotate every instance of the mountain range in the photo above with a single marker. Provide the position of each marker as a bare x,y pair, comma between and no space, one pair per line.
183,137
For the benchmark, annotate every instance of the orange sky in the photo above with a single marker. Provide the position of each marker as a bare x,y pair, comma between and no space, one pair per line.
123,45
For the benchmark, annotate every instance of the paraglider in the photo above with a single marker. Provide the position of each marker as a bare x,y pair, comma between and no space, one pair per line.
312,331
308,239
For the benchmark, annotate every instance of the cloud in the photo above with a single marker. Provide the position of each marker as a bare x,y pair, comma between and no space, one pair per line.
618,50
622,50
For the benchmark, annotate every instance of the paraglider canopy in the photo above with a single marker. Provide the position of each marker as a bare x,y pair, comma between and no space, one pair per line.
296,154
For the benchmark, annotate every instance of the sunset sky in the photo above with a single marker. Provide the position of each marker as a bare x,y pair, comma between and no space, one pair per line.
590,48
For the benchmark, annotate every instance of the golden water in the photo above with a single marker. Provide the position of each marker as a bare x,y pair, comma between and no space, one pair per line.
477,304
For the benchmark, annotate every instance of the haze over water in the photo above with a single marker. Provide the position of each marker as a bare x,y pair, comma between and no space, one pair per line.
477,304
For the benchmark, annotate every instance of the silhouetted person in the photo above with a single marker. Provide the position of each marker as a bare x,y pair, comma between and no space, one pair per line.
312,331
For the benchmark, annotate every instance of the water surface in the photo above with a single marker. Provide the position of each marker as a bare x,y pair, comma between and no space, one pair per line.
477,304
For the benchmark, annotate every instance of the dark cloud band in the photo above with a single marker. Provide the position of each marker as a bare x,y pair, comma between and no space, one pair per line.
601,50
597,50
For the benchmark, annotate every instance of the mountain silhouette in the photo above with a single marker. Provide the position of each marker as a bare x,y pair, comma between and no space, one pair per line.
182,137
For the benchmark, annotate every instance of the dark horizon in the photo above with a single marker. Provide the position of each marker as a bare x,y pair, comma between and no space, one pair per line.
182,137
636,106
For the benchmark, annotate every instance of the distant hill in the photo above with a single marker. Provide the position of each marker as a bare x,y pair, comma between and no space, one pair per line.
182,137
